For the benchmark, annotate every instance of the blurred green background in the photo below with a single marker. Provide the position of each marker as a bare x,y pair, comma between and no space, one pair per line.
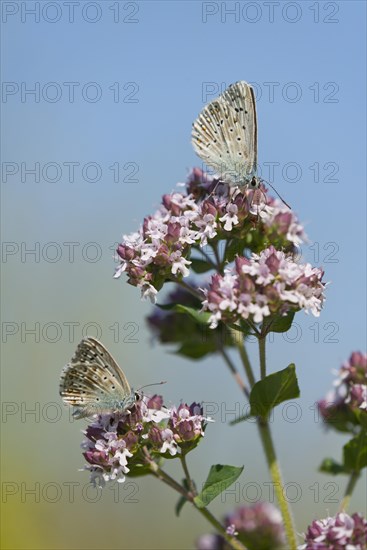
162,57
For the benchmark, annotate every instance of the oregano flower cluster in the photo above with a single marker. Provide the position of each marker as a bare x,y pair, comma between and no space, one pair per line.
161,249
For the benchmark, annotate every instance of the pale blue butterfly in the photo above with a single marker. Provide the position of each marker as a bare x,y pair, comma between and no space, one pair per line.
225,137
94,383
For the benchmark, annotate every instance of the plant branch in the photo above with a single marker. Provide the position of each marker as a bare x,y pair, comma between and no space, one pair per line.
232,541
190,289
266,439
189,481
268,446
349,490
189,496
234,372
245,360
167,479
262,355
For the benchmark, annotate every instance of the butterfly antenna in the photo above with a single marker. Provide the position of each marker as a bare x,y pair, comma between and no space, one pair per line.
281,198
155,384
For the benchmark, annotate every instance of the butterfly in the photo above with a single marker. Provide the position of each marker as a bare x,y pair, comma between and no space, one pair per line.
225,136
94,383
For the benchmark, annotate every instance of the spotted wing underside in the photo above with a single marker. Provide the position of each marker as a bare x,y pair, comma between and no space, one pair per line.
225,134
93,380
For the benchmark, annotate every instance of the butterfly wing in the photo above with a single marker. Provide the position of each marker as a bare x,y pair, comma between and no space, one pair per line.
93,381
225,134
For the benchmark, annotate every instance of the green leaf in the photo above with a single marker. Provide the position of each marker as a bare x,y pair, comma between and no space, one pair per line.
242,326
196,350
361,417
329,466
180,505
342,419
279,323
201,317
166,307
242,418
355,452
188,327
273,390
138,470
220,477
200,266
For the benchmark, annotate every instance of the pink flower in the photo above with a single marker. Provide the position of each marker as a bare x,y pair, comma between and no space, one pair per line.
337,533
267,283
348,400
117,443
161,249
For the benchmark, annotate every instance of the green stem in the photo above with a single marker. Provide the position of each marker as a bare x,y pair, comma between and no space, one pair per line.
189,481
245,360
234,372
232,541
163,476
168,480
262,355
349,490
266,439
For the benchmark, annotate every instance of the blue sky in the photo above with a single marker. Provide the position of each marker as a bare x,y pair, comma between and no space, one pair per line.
122,92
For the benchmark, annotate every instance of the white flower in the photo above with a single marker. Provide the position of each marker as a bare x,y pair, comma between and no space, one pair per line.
259,312
148,251
116,474
230,218
154,415
157,229
363,405
148,291
183,201
180,266
207,228
262,211
122,456
214,319
169,444
119,270
133,240
187,236
264,274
